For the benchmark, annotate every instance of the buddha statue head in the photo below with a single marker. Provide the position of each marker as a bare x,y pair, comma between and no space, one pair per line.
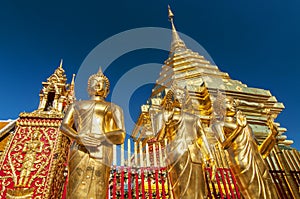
98,85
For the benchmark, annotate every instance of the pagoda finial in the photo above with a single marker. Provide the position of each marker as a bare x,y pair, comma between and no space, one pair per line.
176,40
61,63
73,80
71,95
100,70
171,15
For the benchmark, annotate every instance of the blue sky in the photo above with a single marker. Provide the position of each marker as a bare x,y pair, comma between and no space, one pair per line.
255,42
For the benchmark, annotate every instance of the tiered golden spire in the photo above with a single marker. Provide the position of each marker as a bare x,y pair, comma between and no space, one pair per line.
176,40
53,94
73,80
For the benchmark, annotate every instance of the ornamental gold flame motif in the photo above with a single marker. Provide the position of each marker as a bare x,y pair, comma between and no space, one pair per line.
26,165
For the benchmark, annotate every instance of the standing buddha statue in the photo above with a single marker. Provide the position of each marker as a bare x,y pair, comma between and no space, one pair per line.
95,125
235,135
187,149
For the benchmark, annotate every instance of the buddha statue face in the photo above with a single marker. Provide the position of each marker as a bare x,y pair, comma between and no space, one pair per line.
98,85
230,106
224,106
179,96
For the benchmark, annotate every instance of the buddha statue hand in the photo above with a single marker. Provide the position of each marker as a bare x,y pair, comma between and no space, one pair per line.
272,126
87,140
241,119
168,115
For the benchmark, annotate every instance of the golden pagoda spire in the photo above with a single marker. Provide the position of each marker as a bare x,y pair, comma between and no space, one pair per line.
176,40
72,85
73,80
61,63
71,92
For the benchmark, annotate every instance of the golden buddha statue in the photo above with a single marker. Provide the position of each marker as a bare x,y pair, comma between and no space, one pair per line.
187,146
246,162
95,125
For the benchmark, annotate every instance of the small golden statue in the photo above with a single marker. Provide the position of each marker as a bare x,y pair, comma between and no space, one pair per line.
31,148
98,125
236,136
187,146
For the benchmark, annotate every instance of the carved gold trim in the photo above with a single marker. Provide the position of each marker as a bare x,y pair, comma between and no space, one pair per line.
20,193
42,115
56,176
49,122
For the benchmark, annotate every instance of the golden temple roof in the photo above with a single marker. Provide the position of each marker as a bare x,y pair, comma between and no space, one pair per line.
6,126
3,124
